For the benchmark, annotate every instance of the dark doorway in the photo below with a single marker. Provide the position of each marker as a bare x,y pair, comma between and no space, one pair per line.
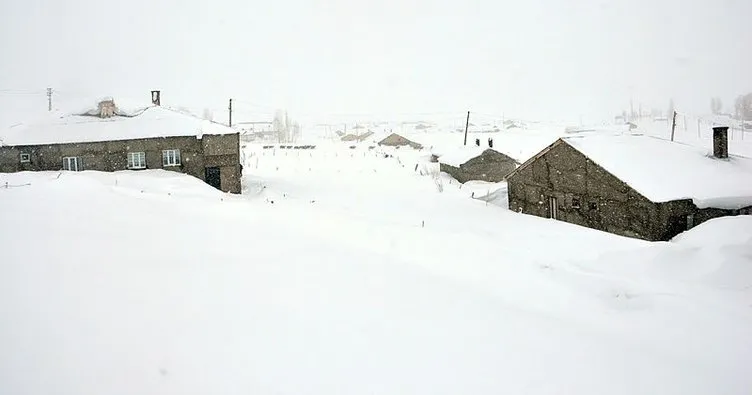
213,178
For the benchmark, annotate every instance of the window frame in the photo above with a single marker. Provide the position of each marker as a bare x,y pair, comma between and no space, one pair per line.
576,202
141,156
690,221
27,155
553,207
176,160
76,161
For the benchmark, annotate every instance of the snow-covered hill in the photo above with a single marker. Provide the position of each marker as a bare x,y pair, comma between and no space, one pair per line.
348,272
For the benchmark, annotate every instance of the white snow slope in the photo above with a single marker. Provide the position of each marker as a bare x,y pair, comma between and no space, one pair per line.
343,272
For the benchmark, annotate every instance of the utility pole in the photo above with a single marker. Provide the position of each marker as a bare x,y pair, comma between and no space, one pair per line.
49,99
230,108
699,134
673,126
631,111
467,124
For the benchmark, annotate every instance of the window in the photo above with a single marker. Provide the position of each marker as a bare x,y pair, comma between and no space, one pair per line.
137,160
553,208
171,157
690,221
72,163
25,158
576,202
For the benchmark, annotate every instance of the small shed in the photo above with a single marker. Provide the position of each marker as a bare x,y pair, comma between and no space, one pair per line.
357,137
395,140
477,163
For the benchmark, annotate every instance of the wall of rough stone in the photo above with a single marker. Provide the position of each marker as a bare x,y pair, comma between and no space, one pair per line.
196,154
491,166
586,195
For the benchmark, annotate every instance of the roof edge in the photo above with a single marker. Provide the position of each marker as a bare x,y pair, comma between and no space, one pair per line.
528,162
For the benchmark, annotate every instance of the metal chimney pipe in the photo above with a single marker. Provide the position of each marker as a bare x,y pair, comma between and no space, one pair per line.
155,98
720,142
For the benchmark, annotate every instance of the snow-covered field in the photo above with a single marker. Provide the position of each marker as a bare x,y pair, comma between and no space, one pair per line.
345,271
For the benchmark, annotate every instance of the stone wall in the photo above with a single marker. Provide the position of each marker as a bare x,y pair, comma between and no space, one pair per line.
588,195
222,151
585,193
490,166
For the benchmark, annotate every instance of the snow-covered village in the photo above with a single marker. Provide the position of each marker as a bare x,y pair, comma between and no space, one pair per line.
375,197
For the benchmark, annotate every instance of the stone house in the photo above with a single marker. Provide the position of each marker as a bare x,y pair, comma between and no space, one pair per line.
476,163
108,137
395,140
632,185
356,137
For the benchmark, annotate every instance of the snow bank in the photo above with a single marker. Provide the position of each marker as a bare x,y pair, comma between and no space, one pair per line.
662,170
152,182
714,256
362,277
718,232
492,193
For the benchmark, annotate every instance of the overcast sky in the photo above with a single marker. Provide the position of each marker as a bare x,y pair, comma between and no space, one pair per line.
542,59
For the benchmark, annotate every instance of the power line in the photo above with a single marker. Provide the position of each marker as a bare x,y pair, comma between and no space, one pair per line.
21,91
253,104
5,93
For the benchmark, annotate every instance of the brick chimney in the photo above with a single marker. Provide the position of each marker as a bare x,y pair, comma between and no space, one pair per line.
155,99
720,142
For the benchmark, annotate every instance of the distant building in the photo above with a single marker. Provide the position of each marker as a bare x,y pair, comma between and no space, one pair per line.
477,163
356,137
111,138
256,131
395,140
633,185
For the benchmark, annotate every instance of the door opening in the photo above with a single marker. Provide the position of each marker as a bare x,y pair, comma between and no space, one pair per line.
213,177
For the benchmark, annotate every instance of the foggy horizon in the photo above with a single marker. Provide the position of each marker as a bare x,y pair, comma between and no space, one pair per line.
322,60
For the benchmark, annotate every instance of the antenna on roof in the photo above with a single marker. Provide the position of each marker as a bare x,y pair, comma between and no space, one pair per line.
673,126
467,124
155,98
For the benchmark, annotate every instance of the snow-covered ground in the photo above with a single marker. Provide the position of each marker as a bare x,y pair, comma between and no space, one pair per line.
346,271
698,131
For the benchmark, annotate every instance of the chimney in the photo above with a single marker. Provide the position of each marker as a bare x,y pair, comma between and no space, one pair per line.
155,98
720,142
106,108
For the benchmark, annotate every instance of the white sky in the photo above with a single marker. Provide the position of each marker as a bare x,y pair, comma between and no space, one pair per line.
542,59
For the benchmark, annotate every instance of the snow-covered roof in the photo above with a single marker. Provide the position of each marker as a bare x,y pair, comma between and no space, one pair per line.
463,154
132,121
662,170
